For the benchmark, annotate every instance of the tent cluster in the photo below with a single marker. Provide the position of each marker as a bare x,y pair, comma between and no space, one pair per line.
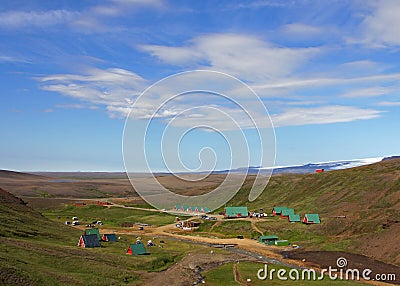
191,209
236,212
92,238
289,214
138,247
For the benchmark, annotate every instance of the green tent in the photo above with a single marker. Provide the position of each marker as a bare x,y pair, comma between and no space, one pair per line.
236,212
294,218
286,212
136,249
89,231
88,241
311,219
109,237
278,210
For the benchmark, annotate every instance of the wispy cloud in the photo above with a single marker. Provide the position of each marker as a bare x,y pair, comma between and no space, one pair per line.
23,19
112,87
323,115
260,4
300,29
389,103
12,59
368,92
92,19
76,106
272,71
327,81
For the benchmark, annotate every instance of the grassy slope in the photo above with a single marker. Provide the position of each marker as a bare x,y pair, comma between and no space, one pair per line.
37,251
113,216
367,195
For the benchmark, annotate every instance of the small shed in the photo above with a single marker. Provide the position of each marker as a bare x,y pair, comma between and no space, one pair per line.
281,242
286,212
294,218
311,219
277,210
93,231
109,237
190,223
88,241
232,212
319,170
136,249
101,203
268,239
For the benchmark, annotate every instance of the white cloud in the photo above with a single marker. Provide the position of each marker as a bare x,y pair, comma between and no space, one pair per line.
389,103
174,55
326,81
117,88
368,92
112,87
76,106
323,115
300,29
247,57
11,59
382,24
23,19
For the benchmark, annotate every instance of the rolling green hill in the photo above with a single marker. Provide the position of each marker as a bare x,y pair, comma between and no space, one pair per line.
37,251
369,197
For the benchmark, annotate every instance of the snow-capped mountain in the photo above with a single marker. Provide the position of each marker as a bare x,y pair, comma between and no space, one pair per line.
310,167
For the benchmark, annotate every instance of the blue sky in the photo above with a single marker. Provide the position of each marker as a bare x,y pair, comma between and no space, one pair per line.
327,71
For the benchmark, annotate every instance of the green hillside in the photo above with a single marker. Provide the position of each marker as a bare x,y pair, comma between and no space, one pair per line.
37,251
369,197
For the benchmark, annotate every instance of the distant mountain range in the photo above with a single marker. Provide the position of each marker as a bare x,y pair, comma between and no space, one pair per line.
310,167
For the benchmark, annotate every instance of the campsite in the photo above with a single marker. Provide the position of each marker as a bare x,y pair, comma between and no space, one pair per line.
271,237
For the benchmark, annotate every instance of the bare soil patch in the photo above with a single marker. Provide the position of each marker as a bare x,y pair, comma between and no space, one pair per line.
324,259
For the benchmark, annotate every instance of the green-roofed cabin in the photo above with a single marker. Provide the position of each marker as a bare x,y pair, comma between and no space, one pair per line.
311,219
281,242
277,210
268,239
95,231
109,237
286,212
234,212
294,218
136,249
88,241
205,210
